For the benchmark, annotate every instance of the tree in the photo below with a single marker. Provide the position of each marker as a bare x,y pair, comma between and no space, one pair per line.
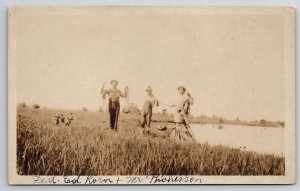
84,109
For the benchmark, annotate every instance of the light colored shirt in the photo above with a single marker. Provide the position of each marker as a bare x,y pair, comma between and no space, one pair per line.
152,100
149,103
182,108
114,94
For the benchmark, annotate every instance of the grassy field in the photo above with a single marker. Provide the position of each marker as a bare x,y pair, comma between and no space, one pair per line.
89,147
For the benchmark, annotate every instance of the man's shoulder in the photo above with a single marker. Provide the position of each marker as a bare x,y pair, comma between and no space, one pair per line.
114,90
151,97
185,98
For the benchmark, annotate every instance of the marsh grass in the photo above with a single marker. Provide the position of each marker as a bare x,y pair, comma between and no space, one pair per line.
89,147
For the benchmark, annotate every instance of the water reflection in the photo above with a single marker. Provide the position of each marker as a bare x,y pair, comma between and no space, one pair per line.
251,138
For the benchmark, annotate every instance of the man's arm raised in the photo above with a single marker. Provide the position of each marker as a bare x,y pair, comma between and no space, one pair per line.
125,94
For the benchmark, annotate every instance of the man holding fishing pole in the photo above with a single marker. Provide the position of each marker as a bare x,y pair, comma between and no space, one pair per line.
114,102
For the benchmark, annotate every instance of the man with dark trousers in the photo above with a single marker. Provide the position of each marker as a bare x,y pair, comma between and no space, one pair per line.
114,103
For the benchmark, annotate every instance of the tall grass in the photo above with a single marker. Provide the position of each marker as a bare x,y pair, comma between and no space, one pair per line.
88,147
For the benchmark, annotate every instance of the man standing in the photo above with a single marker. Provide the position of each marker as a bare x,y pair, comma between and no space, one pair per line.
182,131
114,103
146,114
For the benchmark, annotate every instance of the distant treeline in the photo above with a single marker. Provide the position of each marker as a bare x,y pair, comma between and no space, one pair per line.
159,117
164,116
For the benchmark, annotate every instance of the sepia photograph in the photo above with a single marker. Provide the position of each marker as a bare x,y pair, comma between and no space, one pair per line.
151,95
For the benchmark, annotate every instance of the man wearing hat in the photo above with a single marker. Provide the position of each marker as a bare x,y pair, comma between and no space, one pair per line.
146,114
182,132
183,106
114,102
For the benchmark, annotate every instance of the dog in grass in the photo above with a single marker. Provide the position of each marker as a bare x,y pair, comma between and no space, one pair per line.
61,119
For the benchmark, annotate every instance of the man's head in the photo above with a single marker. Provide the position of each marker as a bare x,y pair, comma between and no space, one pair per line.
181,90
149,90
114,83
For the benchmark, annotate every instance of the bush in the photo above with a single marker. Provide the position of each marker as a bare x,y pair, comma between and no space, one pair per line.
84,109
263,121
36,106
22,105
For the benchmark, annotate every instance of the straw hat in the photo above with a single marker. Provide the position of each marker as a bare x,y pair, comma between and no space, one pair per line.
149,89
114,81
181,87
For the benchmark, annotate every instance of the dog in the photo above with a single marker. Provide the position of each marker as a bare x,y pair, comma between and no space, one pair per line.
61,119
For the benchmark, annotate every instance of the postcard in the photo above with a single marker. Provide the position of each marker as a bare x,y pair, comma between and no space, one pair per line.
151,95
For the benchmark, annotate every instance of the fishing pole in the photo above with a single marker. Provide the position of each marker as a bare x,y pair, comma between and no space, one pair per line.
166,105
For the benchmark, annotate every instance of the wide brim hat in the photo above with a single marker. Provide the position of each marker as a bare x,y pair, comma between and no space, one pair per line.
149,89
181,87
111,82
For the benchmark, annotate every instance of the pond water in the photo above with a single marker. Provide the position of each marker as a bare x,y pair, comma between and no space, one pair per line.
250,138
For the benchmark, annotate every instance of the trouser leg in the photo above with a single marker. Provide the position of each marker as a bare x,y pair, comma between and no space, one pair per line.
148,121
116,116
143,120
148,116
112,114
112,119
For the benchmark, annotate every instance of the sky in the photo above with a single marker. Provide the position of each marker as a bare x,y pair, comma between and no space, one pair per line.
232,65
